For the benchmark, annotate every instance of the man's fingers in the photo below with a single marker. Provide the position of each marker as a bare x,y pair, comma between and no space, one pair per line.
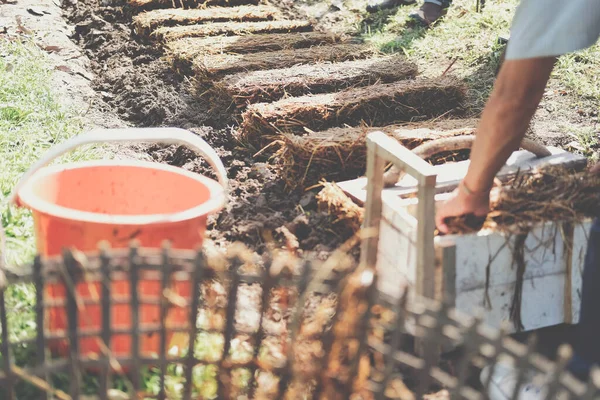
439,222
443,228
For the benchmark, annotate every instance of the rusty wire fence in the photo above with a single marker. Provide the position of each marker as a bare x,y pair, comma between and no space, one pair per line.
141,323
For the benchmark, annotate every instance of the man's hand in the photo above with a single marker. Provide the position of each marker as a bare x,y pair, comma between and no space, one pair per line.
462,203
504,121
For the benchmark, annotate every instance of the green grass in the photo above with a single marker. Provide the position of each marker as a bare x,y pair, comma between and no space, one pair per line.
32,119
470,41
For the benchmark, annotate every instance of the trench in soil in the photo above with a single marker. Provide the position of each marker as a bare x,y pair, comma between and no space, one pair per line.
226,81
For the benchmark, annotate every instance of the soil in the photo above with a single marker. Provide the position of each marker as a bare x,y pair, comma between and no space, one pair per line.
142,89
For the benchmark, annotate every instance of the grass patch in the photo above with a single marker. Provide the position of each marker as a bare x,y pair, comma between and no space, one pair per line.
579,73
470,40
32,120
465,40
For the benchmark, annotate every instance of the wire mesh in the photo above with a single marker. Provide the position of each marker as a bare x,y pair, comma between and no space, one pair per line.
241,326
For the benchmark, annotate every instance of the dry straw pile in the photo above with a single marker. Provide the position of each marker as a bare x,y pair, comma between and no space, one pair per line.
271,85
231,29
334,201
214,66
340,153
146,22
183,51
375,105
153,4
552,193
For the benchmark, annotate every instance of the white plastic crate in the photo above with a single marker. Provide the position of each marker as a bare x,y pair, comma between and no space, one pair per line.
471,271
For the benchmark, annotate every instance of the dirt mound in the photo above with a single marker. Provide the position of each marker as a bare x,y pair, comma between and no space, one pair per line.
131,76
260,205
142,88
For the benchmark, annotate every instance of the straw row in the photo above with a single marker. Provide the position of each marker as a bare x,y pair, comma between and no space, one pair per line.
274,84
231,29
146,22
379,104
182,52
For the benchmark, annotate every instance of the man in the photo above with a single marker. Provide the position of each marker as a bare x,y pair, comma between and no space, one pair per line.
430,11
541,31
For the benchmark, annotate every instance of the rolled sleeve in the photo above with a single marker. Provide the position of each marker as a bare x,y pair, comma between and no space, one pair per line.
545,28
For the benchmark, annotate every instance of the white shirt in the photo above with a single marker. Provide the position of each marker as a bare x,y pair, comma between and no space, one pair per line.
544,28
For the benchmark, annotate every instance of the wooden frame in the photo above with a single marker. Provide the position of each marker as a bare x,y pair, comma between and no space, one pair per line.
380,150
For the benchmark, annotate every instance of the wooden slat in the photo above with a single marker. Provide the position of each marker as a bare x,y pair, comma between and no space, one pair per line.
372,221
164,309
362,330
105,376
267,286
197,275
225,372
40,319
395,344
9,382
71,278
135,317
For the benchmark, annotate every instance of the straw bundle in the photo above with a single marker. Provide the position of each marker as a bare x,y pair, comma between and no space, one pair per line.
142,5
379,104
299,80
551,193
340,153
226,64
334,201
231,29
146,22
183,51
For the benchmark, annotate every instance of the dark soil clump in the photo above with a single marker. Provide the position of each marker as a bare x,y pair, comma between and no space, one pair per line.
131,76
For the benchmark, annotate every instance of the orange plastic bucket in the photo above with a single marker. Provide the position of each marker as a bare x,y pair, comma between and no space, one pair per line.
78,205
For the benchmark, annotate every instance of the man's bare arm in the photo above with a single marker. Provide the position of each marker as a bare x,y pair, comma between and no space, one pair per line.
508,112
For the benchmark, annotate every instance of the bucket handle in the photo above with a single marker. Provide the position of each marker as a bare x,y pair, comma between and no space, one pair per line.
147,135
